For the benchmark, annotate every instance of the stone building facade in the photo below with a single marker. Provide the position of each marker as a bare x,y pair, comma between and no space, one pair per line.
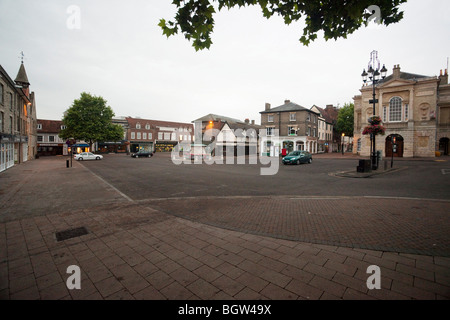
18,121
409,106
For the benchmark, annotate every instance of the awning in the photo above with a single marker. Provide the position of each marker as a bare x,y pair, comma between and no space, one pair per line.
81,145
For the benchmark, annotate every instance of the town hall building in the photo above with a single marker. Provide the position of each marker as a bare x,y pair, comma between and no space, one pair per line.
415,109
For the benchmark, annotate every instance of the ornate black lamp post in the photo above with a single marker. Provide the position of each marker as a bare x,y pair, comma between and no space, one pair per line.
374,73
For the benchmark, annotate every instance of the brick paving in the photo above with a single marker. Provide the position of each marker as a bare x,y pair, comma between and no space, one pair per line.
279,248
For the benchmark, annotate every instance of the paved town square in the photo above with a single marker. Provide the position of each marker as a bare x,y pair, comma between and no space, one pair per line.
156,230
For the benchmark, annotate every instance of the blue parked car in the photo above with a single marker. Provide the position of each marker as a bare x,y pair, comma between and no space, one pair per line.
297,157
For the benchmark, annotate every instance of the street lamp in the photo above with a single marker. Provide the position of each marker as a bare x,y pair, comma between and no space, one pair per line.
374,73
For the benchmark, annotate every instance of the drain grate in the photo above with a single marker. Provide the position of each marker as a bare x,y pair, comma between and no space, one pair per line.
71,233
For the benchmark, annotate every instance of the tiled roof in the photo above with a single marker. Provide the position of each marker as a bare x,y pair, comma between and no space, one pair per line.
287,107
216,117
49,126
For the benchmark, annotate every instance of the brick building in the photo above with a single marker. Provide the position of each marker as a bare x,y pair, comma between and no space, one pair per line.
157,136
297,128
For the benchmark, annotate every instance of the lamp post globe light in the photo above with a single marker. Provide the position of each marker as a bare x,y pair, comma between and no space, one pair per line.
375,74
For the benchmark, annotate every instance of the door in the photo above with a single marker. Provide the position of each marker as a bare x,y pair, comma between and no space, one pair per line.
398,142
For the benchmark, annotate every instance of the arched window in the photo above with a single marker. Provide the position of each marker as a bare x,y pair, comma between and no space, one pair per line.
138,125
395,109
147,126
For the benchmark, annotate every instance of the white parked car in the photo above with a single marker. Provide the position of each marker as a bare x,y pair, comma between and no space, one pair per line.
87,156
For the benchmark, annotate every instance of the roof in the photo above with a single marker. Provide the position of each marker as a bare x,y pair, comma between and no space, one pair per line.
288,107
325,114
156,123
49,126
215,117
404,76
22,75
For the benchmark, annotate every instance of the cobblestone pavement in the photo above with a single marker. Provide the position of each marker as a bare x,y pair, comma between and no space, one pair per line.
213,248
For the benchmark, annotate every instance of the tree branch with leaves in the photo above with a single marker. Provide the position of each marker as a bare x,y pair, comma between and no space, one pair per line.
336,18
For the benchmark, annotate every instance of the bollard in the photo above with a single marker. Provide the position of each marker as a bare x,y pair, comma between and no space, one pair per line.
67,163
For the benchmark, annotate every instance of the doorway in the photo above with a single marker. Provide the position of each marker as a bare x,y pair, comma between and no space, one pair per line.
398,141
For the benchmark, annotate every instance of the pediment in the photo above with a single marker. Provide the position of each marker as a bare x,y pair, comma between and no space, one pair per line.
396,83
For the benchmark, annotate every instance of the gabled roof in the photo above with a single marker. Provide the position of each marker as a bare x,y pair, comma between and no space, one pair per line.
216,117
288,107
324,113
49,126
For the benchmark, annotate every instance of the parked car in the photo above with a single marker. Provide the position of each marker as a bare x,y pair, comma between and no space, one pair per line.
142,154
297,157
87,156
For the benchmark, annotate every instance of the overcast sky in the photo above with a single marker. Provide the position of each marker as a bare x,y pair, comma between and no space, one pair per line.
119,53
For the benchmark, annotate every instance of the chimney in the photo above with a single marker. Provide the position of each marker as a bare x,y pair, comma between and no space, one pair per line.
247,121
443,78
267,106
253,122
396,72
287,101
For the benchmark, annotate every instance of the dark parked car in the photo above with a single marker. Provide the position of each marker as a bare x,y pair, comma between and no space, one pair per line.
297,157
142,154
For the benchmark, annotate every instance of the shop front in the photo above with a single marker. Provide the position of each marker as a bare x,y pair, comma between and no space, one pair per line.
6,152
50,149
112,147
136,146
165,146
80,147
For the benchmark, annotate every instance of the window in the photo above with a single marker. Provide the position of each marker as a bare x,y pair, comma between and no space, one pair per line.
39,126
1,122
138,136
1,93
166,136
63,127
308,117
138,125
269,131
40,138
144,135
147,126
11,124
292,131
395,109
174,136
160,135
270,118
292,116
10,101
384,113
314,132
406,111
149,136
51,138
133,135
308,131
